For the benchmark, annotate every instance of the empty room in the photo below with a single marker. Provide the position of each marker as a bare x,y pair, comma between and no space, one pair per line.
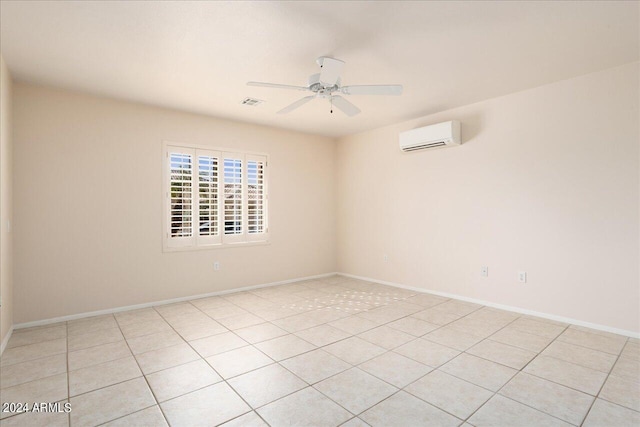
319,213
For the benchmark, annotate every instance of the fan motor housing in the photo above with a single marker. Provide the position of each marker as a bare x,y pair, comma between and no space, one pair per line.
317,87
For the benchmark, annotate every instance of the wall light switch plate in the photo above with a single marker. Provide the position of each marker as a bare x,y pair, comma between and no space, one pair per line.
484,271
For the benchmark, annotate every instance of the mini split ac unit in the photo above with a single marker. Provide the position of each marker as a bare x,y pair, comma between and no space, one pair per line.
441,135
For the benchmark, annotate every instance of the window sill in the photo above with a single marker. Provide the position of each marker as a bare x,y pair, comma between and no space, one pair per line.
218,246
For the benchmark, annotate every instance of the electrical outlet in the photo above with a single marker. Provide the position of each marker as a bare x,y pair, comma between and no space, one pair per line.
484,271
216,266
385,257
522,276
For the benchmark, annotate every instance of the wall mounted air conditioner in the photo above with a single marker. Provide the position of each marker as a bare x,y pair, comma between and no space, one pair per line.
443,134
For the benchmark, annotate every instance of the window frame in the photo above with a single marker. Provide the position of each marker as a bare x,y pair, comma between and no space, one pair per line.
222,240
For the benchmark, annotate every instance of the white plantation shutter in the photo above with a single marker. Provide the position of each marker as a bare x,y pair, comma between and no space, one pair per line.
180,197
208,197
233,179
214,198
256,199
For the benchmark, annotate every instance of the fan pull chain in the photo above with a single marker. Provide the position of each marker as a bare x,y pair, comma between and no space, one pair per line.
331,101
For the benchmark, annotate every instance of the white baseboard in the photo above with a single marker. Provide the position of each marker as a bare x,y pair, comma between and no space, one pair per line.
155,303
595,326
5,341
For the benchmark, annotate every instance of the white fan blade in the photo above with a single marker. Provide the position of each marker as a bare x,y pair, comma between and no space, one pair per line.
277,86
372,90
348,108
297,104
331,70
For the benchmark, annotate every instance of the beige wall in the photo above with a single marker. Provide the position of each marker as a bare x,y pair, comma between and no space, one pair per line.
545,182
6,244
88,205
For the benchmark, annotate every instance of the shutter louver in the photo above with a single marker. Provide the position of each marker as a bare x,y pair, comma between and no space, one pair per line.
208,197
180,232
256,197
233,181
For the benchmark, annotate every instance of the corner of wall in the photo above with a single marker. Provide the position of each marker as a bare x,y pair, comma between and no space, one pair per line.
6,206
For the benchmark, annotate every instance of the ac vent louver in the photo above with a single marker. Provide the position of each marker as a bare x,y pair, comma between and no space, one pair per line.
252,102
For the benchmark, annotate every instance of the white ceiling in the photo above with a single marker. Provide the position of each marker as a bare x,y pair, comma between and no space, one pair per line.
197,56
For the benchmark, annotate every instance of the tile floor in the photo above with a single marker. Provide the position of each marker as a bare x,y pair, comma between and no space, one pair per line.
327,352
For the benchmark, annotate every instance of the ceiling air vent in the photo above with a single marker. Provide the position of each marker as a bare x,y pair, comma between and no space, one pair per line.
252,102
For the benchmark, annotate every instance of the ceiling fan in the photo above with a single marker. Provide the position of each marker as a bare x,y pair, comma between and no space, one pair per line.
327,84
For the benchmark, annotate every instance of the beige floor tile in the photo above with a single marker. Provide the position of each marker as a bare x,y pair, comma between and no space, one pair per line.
103,375
413,326
198,330
583,356
298,322
458,307
209,302
98,354
183,379
631,350
500,411
322,335
50,389
403,409
137,316
388,313
622,392
240,321
627,368
521,339
91,324
274,313
386,337
354,324
354,350
612,344
155,360
19,338
266,385
504,354
92,339
38,419
478,328
221,312
109,403
449,393
25,353
146,343
554,399
306,407
426,300
436,317
284,347
535,327
250,419
566,373
147,417
453,338
25,372
176,310
315,366
606,414
355,422
139,329
427,352
238,361
209,406
187,319
218,344
262,332
355,390
484,373
395,369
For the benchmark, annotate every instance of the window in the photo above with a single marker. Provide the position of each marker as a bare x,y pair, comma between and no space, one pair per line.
214,197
